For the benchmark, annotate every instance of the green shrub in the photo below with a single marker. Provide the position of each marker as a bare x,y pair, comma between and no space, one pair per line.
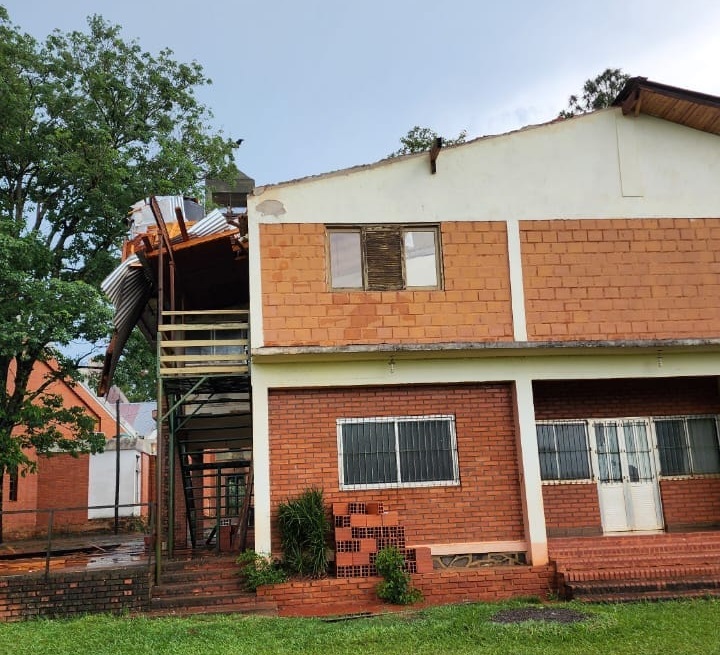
259,569
304,531
396,587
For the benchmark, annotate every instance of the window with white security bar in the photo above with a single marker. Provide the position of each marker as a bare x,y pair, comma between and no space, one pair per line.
685,445
688,445
397,451
564,450
384,257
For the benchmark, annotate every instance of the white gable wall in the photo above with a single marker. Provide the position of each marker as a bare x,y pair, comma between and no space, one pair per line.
567,169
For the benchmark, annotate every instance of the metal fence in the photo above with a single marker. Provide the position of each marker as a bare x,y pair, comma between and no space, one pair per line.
53,512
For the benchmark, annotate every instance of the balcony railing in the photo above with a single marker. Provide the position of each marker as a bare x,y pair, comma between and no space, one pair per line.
193,343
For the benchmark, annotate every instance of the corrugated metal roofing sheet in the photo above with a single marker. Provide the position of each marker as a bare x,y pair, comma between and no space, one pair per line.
214,223
128,286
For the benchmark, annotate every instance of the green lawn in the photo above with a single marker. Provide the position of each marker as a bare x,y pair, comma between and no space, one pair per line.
676,628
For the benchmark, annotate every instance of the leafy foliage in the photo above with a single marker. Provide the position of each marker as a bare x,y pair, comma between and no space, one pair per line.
597,93
396,587
304,530
258,569
420,139
89,123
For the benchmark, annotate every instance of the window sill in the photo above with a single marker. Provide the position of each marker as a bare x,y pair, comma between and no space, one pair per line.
399,485
690,476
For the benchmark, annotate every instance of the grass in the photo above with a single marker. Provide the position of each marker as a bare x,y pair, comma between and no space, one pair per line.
678,628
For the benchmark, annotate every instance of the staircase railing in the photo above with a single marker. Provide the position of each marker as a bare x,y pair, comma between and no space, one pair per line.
198,343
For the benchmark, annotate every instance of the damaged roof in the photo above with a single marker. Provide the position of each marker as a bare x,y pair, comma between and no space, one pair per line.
206,259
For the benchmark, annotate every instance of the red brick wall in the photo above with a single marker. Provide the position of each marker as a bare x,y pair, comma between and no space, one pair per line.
485,507
569,399
74,593
691,503
20,525
60,481
299,308
63,482
571,509
330,596
621,279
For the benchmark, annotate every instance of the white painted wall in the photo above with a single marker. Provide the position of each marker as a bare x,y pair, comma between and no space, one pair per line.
576,168
101,489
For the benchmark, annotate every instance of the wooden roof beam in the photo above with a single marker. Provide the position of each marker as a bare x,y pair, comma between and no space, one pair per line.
434,152
632,103
181,223
157,214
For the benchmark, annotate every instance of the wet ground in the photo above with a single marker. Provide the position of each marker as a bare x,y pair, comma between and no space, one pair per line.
90,551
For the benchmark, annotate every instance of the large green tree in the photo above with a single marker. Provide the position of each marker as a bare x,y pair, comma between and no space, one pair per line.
89,123
597,93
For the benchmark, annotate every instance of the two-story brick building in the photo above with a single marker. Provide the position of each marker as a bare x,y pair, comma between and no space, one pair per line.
513,343
521,345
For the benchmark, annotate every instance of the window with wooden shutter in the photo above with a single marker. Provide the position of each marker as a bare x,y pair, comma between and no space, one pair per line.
384,257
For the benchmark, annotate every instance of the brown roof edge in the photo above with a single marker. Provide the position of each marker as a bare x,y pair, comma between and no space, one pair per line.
636,84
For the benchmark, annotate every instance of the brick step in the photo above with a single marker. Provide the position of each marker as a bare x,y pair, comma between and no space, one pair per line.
672,540
238,599
199,588
664,561
182,576
647,596
591,589
649,573
589,551
623,543
199,564
636,554
259,609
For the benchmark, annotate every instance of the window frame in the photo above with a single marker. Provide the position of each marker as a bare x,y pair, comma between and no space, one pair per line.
687,444
449,418
363,230
588,450
656,450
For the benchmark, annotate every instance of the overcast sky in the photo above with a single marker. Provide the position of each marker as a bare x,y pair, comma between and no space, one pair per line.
319,85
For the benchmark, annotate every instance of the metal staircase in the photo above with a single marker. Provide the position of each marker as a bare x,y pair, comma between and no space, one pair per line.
205,382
